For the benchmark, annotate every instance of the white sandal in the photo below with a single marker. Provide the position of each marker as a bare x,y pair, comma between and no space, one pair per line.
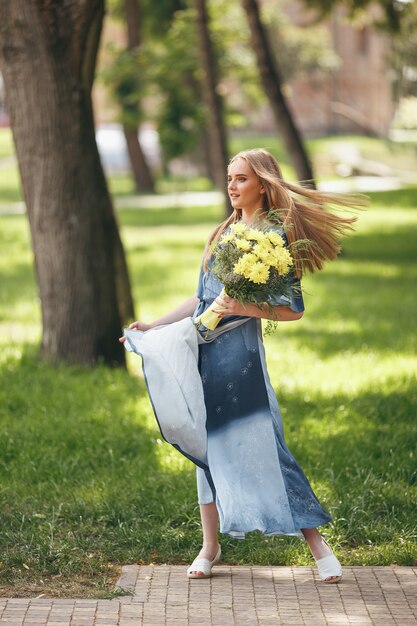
329,567
201,564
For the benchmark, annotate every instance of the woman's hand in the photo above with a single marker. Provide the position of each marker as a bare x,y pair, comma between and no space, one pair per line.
136,326
233,307
229,306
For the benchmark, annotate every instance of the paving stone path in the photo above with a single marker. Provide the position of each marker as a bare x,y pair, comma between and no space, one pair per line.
235,596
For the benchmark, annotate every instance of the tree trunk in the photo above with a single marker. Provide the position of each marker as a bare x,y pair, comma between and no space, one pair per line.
272,83
48,53
140,168
138,163
217,139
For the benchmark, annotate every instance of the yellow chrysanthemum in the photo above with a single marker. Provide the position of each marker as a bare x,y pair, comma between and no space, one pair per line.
238,228
275,239
259,273
243,244
263,252
254,235
282,260
245,264
265,241
227,238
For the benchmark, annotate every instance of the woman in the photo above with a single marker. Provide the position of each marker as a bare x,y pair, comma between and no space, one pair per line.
251,481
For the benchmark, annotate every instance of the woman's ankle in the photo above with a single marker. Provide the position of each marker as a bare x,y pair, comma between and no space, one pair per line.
319,547
210,548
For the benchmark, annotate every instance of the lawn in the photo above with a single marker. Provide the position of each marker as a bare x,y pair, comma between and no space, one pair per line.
326,153
86,483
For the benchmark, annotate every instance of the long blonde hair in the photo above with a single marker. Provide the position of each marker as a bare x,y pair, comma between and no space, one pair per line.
301,211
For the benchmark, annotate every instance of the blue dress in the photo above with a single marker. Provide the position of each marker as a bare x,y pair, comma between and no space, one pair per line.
252,476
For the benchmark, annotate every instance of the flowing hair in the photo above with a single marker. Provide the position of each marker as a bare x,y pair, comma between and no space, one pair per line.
302,212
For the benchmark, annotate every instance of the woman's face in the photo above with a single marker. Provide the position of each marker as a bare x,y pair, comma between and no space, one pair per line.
245,190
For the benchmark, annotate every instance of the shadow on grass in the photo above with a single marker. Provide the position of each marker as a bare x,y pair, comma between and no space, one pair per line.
365,300
85,479
395,245
176,247
175,216
79,468
362,313
404,198
361,452
10,194
17,285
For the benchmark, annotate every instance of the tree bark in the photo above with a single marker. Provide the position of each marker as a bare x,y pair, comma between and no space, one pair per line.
272,83
140,168
217,139
48,54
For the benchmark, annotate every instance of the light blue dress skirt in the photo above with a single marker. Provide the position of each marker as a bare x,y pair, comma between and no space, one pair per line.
252,476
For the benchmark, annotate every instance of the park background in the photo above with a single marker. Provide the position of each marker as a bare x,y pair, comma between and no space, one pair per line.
87,483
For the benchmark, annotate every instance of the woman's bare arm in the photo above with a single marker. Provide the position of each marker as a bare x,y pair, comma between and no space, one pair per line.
185,309
278,313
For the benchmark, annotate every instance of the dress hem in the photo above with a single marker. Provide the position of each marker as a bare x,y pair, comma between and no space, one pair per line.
241,534
276,533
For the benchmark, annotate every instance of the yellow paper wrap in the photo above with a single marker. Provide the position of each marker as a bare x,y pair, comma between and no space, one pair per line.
209,318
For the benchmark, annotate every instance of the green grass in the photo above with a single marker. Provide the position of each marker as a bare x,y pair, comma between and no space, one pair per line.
401,157
86,483
10,190
6,143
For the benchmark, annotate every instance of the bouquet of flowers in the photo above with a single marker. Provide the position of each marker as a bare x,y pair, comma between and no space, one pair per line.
254,265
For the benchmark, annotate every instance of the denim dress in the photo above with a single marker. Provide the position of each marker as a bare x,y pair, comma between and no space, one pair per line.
252,476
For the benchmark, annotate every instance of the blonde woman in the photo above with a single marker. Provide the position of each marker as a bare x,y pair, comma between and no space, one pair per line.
250,480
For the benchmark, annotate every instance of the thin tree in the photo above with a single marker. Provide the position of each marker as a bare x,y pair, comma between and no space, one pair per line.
391,16
272,82
48,52
216,135
140,168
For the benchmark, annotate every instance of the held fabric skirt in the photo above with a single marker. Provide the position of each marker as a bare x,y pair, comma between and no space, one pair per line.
252,476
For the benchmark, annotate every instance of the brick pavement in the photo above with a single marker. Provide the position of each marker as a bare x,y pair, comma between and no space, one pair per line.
235,596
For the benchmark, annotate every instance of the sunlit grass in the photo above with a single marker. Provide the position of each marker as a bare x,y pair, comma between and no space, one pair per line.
397,155
400,157
6,143
85,479
9,184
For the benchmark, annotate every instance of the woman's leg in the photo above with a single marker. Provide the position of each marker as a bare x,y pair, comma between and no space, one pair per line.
209,522
318,547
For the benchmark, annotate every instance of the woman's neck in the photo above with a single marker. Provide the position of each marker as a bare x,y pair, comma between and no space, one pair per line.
252,215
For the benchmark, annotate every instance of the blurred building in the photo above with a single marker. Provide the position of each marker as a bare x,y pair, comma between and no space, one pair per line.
357,96
106,110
